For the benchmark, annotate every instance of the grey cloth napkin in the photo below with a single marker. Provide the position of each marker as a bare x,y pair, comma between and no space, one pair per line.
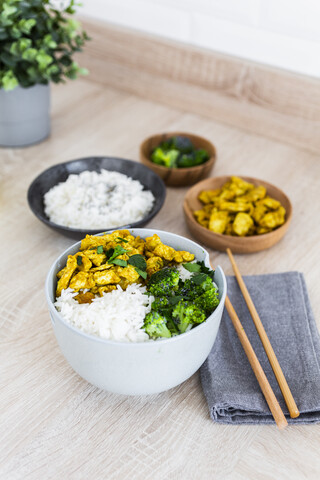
229,384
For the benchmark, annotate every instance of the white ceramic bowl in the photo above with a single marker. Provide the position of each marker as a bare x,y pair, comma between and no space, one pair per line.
137,368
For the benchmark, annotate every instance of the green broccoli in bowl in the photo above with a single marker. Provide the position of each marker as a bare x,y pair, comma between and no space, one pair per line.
178,152
155,325
180,304
164,282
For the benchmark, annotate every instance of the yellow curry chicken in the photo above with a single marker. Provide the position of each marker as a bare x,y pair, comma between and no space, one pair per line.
239,208
117,258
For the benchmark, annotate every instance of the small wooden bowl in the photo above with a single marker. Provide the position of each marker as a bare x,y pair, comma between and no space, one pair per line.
178,177
218,241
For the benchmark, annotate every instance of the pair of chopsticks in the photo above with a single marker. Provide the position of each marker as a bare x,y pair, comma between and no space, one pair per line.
254,362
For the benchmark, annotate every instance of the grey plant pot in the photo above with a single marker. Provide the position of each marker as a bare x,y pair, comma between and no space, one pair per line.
24,115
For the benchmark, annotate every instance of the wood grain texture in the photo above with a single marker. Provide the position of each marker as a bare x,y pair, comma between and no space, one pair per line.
257,98
53,424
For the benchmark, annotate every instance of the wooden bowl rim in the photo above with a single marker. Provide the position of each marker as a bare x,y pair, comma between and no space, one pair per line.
240,240
182,169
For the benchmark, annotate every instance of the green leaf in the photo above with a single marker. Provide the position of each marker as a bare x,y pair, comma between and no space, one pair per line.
49,42
3,34
141,273
8,60
66,60
24,44
206,270
138,261
33,74
20,46
25,25
9,81
118,250
72,27
79,260
53,69
43,60
15,32
8,10
118,261
100,249
83,71
14,49
120,240
175,299
30,54
109,252
199,278
192,267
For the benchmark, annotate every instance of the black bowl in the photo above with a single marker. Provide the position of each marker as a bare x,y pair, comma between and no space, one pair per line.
60,172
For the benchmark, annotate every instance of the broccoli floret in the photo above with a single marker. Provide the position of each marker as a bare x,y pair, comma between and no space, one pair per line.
178,305
191,289
160,303
163,306
202,291
183,144
165,158
186,314
186,160
164,282
155,325
192,159
166,144
172,327
208,301
201,156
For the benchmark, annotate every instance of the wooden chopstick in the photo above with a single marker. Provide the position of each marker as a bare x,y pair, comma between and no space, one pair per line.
286,392
265,386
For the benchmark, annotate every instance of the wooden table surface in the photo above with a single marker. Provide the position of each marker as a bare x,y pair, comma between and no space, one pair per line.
53,423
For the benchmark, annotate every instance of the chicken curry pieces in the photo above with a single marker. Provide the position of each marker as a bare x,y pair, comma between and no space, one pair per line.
117,258
239,208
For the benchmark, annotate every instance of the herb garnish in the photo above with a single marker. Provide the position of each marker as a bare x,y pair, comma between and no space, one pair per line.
120,239
199,278
198,267
141,273
118,261
206,270
139,263
100,249
113,253
79,260
192,267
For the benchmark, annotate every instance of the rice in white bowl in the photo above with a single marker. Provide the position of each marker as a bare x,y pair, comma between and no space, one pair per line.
94,200
117,315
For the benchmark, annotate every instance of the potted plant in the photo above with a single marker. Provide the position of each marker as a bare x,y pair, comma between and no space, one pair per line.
38,39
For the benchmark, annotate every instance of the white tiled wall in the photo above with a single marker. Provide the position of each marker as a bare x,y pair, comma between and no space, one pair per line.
281,33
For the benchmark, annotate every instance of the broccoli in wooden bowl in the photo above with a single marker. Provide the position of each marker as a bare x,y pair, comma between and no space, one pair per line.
180,159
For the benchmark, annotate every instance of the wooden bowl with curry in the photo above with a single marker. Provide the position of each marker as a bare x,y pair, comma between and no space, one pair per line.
254,220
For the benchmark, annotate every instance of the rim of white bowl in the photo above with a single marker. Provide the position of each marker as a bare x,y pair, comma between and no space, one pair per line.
148,343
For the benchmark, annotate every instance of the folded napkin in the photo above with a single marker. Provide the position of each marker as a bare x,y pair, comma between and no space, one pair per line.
229,384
